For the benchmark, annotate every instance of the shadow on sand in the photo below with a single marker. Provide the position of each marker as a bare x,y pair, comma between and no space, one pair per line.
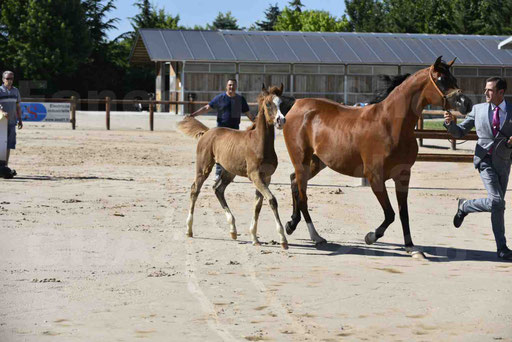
383,249
59,178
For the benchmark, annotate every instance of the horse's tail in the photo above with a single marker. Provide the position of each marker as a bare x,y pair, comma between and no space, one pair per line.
192,127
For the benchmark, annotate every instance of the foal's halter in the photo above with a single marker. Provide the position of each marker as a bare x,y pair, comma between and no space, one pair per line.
444,96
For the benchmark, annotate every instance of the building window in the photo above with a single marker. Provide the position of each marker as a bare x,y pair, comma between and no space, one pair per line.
465,71
223,67
489,72
277,68
410,69
197,67
252,68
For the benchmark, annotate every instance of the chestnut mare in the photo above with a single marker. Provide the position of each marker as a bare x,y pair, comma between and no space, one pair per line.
376,142
248,153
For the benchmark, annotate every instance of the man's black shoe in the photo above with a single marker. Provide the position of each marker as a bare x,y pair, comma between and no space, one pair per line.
7,173
459,217
505,254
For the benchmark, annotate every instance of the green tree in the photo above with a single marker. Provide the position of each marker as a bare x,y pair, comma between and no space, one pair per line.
224,22
366,15
271,15
100,71
296,5
43,40
288,21
151,17
310,21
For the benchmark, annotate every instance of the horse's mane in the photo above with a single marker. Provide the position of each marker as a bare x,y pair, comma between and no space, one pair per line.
391,83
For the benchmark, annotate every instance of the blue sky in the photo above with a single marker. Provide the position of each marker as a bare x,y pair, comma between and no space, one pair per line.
202,12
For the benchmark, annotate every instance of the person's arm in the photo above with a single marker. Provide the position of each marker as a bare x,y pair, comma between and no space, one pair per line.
250,116
245,110
460,130
204,109
18,115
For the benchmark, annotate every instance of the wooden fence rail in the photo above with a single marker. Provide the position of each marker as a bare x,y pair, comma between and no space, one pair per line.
420,133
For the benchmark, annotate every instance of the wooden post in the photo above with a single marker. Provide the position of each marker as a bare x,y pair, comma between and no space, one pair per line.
73,112
151,116
107,112
420,127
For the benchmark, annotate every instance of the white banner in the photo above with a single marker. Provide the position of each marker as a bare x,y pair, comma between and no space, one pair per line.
47,111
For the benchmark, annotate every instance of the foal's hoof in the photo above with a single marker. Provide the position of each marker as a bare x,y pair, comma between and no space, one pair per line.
190,234
284,245
256,243
233,236
289,229
370,238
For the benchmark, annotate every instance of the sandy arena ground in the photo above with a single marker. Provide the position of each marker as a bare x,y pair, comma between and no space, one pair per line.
93,248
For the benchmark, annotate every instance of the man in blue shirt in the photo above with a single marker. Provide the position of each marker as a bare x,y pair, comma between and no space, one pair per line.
229,106
10,101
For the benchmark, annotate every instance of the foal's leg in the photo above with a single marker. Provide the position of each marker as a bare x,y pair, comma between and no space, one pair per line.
316,165
379,189
254,224
402,190
203,169
221,184
262,187
301,177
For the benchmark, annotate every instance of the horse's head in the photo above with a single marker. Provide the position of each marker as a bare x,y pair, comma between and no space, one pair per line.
445,84
269,101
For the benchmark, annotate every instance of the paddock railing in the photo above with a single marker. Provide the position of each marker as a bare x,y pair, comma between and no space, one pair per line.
420,132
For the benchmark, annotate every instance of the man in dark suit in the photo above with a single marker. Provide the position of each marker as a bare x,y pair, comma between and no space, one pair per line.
493,123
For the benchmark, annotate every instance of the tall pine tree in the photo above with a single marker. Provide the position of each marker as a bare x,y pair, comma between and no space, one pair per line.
271,15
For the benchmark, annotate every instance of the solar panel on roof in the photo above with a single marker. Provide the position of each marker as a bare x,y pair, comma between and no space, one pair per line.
197,46
155,45
281,49
382,50
175,42
365,54
402,50
320,47
301,49
261,48
221,50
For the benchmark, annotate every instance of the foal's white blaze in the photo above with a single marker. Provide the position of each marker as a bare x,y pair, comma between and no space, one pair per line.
279,120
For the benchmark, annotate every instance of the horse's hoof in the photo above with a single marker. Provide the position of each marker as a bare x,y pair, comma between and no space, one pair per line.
370,238
284,245
256,243
418,255
288,228
233,236
320,242
190,234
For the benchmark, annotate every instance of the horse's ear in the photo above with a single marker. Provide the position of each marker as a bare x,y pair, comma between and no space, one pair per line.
281,89
437,62
452,61
263,88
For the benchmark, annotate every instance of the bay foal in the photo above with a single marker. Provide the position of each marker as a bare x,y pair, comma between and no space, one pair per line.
248,153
